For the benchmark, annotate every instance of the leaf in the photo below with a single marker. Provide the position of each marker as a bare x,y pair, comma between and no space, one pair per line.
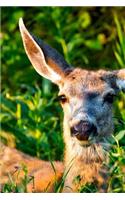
119,59
93,44
85,20
119,30
120,135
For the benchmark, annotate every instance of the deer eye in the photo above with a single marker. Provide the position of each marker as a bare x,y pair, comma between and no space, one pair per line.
62,98
109,97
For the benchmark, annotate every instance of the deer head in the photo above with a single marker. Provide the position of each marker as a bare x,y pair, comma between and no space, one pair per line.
86,96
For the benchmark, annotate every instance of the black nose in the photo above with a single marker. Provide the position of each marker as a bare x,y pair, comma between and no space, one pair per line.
83,130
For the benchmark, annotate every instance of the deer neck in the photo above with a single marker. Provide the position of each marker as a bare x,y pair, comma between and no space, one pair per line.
83,162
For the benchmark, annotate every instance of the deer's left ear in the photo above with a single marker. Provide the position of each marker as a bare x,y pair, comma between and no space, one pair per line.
120,79
46,60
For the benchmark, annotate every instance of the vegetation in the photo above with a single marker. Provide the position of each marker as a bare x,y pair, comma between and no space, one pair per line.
31,118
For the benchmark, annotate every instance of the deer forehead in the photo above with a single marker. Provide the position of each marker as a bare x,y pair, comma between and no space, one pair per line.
80,81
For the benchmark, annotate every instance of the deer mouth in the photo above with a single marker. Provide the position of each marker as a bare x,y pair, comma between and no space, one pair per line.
85,139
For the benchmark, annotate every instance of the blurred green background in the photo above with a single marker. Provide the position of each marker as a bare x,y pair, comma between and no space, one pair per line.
89,37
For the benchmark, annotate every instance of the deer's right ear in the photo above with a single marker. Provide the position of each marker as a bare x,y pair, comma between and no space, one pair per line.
120,79
115,78
46,60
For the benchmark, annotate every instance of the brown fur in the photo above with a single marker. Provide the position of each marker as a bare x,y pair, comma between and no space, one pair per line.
11,161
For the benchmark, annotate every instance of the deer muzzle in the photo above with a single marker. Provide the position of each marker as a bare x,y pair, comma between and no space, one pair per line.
83,130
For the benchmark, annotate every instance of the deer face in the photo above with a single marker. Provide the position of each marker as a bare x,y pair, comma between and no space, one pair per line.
86,96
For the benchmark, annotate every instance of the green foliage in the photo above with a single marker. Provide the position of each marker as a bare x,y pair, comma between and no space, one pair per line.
88,188
34,122
117,163
120,45
31,119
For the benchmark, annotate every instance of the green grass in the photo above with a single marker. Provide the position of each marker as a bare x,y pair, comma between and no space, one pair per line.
12,186
31,118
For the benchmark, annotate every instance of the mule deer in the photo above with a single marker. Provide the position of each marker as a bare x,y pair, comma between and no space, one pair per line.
86,98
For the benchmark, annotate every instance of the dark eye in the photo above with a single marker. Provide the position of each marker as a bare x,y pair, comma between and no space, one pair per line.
62,98
109,98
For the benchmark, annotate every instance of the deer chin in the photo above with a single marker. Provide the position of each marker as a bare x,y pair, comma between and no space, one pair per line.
84,143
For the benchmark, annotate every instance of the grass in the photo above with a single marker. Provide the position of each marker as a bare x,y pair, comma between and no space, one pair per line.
13,186
31,118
